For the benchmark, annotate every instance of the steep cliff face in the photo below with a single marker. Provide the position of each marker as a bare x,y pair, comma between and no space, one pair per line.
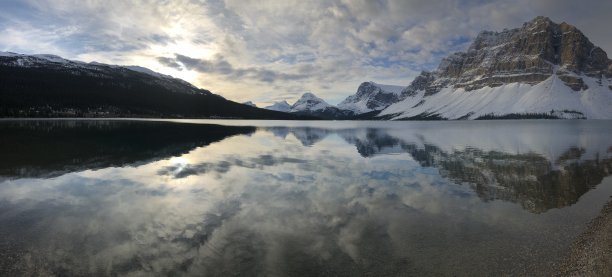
528,54
540,51
371,96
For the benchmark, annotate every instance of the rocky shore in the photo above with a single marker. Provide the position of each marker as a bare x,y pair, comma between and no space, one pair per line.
591,253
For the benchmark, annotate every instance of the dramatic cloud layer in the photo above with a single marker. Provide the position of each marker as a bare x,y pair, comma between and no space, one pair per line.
271,49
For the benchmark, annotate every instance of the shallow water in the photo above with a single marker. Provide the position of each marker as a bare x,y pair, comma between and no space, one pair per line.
277,198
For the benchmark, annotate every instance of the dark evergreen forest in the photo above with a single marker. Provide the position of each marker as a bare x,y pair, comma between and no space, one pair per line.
46,89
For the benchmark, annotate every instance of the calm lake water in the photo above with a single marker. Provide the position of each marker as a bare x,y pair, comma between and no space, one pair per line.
276,198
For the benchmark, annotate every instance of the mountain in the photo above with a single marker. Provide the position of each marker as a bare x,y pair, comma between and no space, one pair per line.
370,97
311,105
249,103
540,70
281,106
51,86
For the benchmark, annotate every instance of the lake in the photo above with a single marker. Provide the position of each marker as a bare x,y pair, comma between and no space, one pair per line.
294,198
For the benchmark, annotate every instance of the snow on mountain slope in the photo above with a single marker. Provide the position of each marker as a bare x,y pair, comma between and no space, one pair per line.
311,105
390,88
8,54
309,102
146,71
249,103
280,106
52,58
95,69
551,97
540,70
34,60
38,59
371,96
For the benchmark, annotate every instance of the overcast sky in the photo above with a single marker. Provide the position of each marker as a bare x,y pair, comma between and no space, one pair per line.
268,50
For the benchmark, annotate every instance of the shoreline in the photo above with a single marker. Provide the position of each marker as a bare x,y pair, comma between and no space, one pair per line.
591,253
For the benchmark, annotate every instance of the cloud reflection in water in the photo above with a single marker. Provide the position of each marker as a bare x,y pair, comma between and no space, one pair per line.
308,201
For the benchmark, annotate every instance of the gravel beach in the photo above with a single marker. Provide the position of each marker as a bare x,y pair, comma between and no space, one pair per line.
591,253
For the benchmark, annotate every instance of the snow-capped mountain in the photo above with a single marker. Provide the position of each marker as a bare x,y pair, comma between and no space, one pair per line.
371,96
540,70
280,106
309,103
249,103
51,86
96,69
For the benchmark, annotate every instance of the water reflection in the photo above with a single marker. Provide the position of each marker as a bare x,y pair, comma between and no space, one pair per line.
537,182
53,148
299,201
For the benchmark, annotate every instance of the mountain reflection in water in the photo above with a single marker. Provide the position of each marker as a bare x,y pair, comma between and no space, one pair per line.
348,199
534,181
51,148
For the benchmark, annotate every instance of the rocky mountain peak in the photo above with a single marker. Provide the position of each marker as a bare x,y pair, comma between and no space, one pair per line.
527,54
308,96
365,87
541,21
423,82
309,102
542,70
371,96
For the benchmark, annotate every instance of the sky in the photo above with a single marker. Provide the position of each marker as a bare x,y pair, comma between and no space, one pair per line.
272,50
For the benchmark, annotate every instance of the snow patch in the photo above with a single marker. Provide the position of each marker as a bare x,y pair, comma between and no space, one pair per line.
366,96
550,96
9,54
280,106
309,102
146,71
52,58
390,88
249,103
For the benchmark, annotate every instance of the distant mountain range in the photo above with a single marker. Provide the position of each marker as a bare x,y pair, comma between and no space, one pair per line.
540,70
370,97
50,86
311,105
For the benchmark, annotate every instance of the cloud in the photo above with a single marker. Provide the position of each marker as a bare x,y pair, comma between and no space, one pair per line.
219,66
170,62
261,50
181,170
